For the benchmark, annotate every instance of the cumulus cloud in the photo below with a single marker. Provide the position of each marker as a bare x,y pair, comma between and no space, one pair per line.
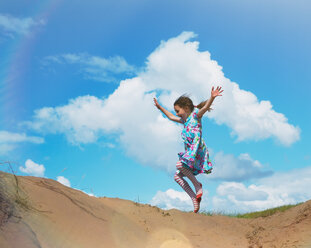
9,141
128,112
175,199
80,120
281,188
63,180
16,25
231,168
95,67
172,199
33,168
175,67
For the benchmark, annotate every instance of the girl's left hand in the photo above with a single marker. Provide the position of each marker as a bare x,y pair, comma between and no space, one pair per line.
216,92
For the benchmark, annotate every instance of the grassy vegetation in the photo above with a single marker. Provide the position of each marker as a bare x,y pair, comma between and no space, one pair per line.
252,215
266,213
10,191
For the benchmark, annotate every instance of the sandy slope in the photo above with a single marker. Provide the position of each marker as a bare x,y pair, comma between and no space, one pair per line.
45,214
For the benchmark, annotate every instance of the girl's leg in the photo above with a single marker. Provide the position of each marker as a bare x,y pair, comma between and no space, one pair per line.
183,183
196,183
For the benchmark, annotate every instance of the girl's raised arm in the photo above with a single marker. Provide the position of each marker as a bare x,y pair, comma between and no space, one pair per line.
214,94
168,114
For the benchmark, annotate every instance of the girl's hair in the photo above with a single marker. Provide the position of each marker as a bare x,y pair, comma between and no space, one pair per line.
184,101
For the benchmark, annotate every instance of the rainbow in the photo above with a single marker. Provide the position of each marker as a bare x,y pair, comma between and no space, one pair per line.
14,63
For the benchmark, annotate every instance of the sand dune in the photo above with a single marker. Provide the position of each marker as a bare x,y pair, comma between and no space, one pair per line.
44,213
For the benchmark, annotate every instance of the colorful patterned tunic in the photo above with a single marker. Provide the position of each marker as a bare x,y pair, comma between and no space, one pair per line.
196,156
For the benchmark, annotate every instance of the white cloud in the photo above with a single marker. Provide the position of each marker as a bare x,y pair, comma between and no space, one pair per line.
8,141
128,112
63,180
18,25
281,188
231,168
95,67
33,168
175,67
175,199
80,120
8,137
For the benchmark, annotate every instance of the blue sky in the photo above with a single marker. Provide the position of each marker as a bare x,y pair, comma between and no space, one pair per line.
77,82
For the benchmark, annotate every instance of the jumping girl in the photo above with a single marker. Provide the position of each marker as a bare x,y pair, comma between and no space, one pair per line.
195,159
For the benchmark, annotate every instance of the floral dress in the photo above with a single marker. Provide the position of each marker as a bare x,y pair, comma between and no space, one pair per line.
196,156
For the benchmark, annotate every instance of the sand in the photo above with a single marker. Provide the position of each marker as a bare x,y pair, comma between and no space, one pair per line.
44,213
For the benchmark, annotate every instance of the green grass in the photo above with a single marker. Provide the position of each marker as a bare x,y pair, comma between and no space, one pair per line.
267,212
253,215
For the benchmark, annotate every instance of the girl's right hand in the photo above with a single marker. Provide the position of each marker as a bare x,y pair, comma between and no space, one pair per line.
156,103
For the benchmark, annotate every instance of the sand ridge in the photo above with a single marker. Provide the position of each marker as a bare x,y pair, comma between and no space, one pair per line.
48,214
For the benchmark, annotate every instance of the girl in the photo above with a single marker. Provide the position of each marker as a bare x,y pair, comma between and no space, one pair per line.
195,159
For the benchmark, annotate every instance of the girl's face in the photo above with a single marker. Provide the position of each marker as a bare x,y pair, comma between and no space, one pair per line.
182,112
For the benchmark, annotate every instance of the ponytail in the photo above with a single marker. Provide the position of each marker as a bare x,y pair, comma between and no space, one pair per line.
201,105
